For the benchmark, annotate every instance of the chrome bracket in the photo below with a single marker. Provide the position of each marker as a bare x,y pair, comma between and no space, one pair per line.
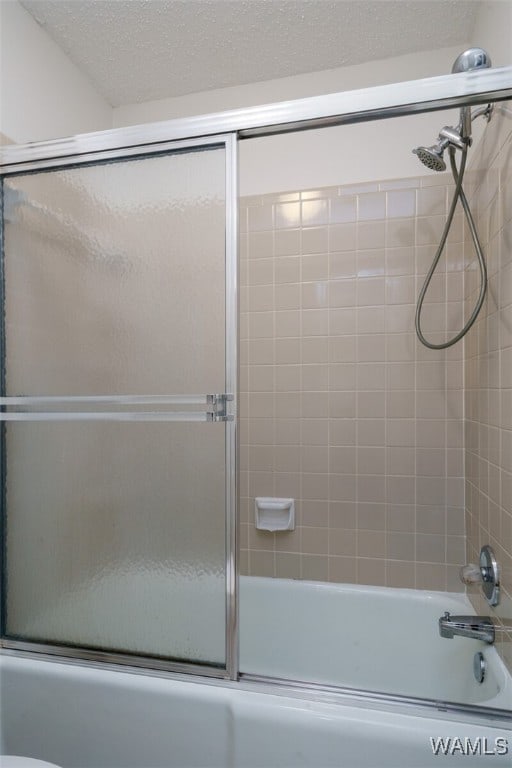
489,112
218,407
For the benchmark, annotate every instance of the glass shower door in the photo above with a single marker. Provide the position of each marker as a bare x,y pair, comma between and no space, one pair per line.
117,407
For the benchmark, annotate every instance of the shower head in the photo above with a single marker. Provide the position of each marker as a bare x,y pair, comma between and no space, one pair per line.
473,58
432,157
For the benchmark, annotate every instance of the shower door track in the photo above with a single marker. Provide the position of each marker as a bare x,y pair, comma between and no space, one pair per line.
375,103
275,686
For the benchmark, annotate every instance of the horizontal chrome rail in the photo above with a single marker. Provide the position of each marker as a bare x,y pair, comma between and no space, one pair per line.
116,416
383,101
120,400
215,405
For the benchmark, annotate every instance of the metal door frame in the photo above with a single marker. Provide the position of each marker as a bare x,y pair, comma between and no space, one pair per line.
361,105
229,144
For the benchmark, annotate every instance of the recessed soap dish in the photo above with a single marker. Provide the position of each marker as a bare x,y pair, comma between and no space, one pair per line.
273,514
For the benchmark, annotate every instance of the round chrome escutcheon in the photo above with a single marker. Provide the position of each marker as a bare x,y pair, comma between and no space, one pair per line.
490,575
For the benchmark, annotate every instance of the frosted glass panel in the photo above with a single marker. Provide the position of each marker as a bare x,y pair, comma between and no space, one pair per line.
114,277
115,537
115,329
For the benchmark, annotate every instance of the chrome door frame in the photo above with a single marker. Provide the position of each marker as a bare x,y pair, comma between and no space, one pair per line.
229,143
378,102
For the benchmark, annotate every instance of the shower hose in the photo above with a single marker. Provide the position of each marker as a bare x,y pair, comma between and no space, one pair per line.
458,176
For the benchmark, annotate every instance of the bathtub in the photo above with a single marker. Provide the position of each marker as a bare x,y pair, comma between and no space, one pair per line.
85,717
89,716
367,638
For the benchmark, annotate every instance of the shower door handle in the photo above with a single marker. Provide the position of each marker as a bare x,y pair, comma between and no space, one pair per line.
93,408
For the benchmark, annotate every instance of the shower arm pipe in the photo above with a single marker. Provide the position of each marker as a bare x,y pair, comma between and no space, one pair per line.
458,175
485,111
378,102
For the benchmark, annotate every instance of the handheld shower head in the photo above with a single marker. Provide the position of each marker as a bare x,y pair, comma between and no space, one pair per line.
432,157
453,139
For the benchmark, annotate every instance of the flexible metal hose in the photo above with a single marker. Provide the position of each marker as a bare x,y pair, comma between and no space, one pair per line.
458,175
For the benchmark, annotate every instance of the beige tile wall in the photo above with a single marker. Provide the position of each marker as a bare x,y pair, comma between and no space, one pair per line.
341,407
488,369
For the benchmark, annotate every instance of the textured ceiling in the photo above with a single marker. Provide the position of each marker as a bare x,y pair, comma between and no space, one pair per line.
138,50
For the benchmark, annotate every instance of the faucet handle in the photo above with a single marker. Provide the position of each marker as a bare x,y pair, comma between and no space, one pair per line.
487,573
471,574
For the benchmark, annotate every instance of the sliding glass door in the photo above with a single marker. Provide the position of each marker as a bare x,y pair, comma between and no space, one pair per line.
118,406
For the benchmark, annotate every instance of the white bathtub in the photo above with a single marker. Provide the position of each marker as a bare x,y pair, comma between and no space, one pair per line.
79,717
367,638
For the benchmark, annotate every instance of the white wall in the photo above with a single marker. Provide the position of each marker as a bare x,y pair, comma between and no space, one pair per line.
350,154
43,95
344,155
394,69
493,31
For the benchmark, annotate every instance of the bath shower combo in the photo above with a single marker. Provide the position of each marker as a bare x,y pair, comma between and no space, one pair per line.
127,512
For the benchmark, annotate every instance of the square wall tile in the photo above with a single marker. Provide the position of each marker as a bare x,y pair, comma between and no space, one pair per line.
342,409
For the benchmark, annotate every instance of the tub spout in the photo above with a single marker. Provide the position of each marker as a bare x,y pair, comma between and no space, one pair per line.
475,627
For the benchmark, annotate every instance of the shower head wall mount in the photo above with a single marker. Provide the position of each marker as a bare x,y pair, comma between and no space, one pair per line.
471,59
459,137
